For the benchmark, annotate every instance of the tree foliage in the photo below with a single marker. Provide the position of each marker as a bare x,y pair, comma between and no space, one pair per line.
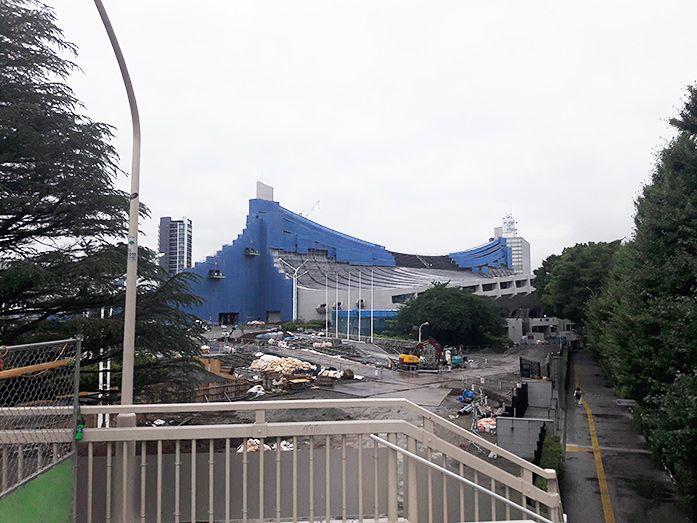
644,323
565,283
58,167
62,261
455,316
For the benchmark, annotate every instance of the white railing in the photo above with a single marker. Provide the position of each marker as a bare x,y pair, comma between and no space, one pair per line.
412,466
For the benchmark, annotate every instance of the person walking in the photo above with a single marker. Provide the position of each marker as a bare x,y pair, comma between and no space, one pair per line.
577,395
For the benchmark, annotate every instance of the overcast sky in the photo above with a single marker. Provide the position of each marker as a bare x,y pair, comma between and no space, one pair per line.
417,125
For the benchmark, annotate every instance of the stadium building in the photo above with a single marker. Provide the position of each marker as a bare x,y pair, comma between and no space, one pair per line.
284,266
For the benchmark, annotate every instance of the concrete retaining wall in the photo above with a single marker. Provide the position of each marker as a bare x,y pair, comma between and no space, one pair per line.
520,435
539,393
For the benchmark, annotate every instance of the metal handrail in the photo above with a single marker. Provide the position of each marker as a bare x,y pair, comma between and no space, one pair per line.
418,426
38,345
325,428
460,479
309,404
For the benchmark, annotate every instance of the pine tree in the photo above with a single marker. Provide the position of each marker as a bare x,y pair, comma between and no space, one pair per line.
62,221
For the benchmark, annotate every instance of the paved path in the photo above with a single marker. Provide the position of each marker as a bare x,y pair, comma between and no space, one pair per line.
609,475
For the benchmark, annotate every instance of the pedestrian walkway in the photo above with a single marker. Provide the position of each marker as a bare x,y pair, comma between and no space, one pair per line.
609,475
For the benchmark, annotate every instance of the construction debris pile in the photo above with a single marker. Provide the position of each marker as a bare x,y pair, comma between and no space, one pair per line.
254,445
282,344
277,374
483,414
332,373
486,425
268,362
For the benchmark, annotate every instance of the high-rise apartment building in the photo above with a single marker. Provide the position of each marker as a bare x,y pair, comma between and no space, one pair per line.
176,238
520,248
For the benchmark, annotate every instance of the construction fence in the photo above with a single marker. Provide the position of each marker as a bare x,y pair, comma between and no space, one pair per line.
32,439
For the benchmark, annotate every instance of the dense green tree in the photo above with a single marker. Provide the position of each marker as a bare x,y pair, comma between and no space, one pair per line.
58,167
455,316
62,221
644,323
542,273
565,283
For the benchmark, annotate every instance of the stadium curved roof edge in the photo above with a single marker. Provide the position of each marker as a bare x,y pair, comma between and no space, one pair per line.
289,232
280,252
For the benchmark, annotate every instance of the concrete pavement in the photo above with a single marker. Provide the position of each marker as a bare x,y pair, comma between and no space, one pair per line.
608,473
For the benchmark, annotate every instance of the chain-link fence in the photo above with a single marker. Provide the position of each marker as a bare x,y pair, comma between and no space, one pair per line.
37,382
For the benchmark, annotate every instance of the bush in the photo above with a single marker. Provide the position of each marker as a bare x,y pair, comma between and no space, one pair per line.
551,454
296,326
550,458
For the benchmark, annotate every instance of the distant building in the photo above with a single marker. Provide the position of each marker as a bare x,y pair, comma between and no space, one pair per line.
520,248
283,266
176,238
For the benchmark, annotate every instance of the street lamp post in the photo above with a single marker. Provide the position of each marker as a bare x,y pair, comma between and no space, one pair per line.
348,307
132,261
424,323
295,277
125,508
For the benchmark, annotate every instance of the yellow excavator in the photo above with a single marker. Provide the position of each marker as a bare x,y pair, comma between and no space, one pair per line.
426,355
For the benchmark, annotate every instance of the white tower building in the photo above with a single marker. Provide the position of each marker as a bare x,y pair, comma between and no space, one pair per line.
519,246
176,239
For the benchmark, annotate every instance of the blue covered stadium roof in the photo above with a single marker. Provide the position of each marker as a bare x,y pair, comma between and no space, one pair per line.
245,280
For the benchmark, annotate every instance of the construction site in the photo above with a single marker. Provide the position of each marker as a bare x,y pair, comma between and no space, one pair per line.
305,420
476,388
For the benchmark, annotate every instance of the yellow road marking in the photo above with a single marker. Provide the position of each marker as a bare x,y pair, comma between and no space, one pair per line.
602,482
574,448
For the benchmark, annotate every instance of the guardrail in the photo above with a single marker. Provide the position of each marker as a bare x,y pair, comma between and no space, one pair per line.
267,469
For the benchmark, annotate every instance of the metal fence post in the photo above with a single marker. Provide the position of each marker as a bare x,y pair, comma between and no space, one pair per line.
126,473
76,420
413,491
392,480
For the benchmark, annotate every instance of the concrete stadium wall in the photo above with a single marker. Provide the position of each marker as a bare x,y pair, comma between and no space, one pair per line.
309,299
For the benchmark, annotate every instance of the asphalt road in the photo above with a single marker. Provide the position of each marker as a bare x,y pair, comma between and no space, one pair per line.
609,475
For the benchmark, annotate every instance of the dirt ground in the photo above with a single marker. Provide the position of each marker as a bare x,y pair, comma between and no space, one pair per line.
492,373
